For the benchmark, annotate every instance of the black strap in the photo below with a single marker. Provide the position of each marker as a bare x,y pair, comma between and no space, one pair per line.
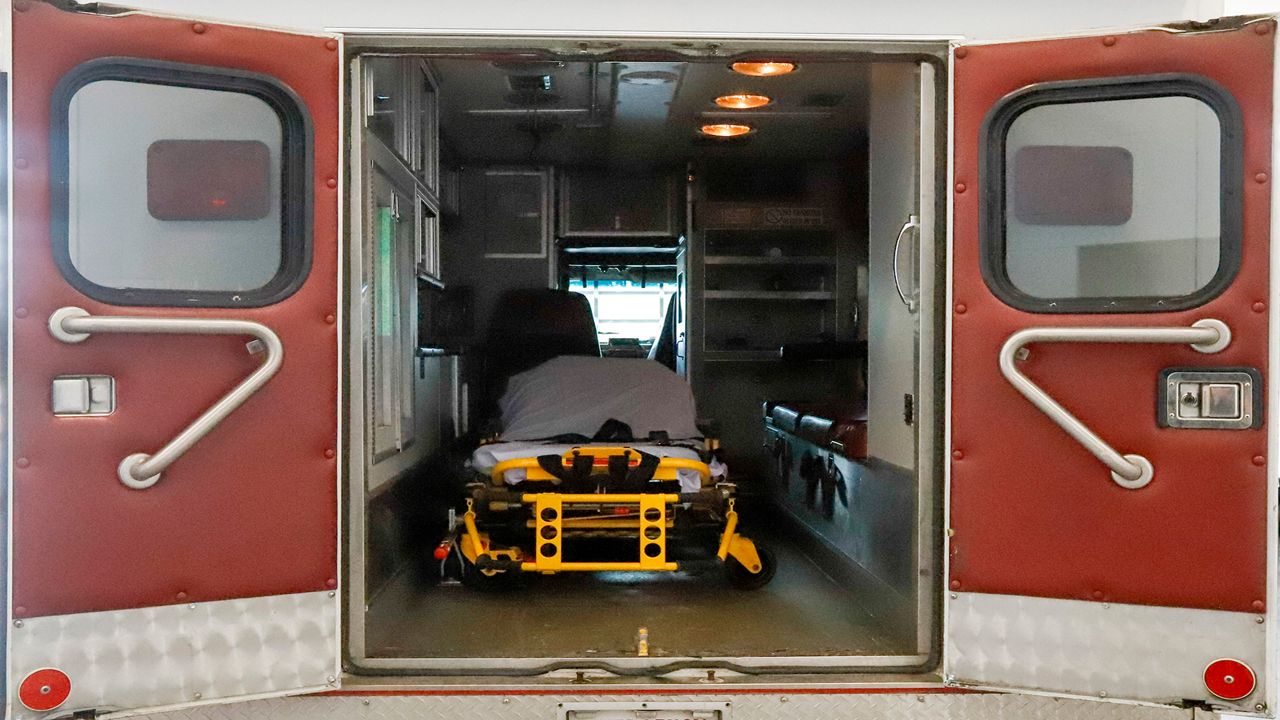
621,476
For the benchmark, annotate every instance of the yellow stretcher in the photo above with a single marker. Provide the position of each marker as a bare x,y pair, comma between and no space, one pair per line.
552,507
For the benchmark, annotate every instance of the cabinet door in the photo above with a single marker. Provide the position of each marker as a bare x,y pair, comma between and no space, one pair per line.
599,203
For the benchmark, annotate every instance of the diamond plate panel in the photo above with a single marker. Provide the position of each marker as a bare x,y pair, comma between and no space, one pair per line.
755,706
173,654
1073,647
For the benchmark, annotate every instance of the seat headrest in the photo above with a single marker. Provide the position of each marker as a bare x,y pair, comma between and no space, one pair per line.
532,325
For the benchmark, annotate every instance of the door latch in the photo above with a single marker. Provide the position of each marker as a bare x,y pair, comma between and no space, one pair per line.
1211,398
74,395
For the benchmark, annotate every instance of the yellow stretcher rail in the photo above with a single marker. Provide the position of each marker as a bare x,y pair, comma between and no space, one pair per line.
668,467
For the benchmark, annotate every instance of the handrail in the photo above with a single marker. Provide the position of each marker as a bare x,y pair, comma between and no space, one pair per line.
1128,471
140,470
908,300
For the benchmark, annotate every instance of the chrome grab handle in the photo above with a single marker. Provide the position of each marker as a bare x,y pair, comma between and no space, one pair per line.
140,470
1128,471
910,302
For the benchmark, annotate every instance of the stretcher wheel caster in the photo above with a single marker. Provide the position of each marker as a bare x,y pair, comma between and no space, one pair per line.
743,579
493,581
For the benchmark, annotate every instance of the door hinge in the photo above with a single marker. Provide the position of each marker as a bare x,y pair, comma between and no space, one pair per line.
1216,25
89,8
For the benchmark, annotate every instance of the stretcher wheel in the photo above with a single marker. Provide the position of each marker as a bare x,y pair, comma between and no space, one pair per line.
493,582
743,579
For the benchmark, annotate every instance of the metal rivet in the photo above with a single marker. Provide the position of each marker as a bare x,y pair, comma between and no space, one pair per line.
955,584
20,312
1259,707
23,462
1023,353
1258,605
961,309
784,698
331,44
181,595
1259,460
1260,177
1262,28
331,679
45,689
958,454
1102,694
1109,40
198,28
17,623
20,163
1097,594
1259,620
329,453
331,182
1259,306
332,593
365,701
961,187
331,582
198,696
330,318
961,52
954,596
506,701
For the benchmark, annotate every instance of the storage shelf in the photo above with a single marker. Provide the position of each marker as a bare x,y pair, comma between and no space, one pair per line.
767,260
808,295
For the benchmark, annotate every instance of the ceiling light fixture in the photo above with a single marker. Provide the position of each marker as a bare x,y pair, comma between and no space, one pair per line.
725,130
743,101
763,69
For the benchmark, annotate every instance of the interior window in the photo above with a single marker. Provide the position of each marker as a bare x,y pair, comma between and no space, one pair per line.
626,312
175,194
1114,203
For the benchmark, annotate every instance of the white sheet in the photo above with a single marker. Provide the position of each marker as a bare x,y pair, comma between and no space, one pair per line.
576,395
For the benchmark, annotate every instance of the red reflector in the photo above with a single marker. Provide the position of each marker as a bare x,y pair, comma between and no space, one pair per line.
441,553
620,510
1229,679
44,689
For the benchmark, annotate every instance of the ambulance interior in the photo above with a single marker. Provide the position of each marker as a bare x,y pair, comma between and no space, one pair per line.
775,272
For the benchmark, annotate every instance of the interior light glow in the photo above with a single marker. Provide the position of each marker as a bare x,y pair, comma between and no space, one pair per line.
763,69
743,101
725,130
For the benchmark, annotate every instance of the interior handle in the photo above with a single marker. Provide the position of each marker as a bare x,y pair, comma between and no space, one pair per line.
140,470
909,300
1128,471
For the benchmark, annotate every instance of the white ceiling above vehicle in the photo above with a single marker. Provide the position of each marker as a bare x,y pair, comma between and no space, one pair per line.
643,113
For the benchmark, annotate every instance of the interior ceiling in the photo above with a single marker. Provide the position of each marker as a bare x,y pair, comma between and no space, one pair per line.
642,113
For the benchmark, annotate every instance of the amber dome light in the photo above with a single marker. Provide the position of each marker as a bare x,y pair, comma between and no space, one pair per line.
725,130
763,69
743,101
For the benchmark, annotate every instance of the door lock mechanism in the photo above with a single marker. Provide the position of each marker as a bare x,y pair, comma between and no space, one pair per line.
83,395
1211,398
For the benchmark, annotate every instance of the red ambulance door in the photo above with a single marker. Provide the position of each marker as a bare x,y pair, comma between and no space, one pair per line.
1112,481
174,378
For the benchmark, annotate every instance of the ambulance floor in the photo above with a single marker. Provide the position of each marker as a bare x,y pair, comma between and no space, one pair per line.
802,612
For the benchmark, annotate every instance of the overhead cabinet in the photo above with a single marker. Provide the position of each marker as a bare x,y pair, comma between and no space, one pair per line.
599,202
